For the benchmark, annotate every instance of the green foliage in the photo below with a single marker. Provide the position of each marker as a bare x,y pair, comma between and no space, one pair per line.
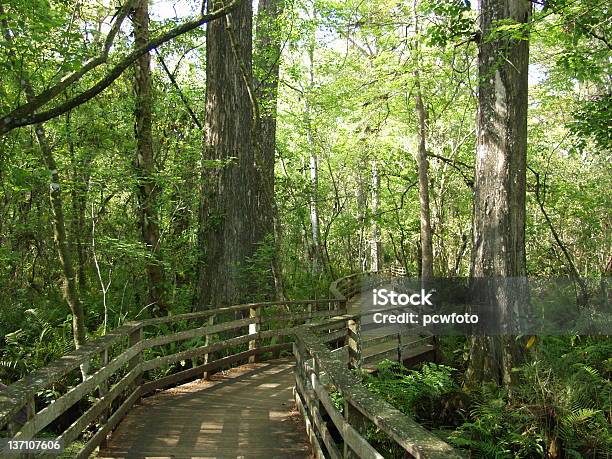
416,393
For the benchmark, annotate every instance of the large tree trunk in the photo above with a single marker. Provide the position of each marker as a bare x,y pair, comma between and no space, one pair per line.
266,66
144,164
229,209
498,250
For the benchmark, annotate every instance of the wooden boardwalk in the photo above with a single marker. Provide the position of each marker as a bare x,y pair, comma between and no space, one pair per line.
247,412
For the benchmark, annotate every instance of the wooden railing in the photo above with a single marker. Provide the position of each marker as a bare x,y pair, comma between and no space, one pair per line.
325,356
320,372
134,360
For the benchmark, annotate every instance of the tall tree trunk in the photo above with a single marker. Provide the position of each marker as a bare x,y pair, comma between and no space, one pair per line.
228,237
313,167
422,162
144,163
266,66
375,244
79,202
360,196
498,246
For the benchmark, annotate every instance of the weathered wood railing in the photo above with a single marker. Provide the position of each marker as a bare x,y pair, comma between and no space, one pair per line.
325,355
412,345
133,360
334,434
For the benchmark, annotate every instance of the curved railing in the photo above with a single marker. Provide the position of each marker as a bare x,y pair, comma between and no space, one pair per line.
132,360
325,355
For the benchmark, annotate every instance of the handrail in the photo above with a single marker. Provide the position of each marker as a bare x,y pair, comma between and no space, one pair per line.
123,366
123,363
319,368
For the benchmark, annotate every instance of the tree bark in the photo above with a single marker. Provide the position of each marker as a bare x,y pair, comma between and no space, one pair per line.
144,164
498,246
229,210
422,162
313,167
266,67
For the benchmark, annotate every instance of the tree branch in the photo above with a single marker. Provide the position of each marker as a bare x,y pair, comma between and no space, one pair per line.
26,115
178,88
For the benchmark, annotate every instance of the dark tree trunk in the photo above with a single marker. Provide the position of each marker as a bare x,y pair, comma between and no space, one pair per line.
266,65
229,233
498,250
144,164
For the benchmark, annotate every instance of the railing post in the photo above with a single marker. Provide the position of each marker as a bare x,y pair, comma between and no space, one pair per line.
399,347
358,421
353,338
207,342
133,340
254,312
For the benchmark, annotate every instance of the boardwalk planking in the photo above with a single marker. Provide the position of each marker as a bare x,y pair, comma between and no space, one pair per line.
247,412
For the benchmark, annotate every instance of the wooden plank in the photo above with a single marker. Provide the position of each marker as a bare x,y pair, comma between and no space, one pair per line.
60,405
316,419
408,434
245,411
210,366
195,352
359,423
234,308
350,435
254,330
302,316
15,396
377,357
112,422
312,437
378,340
196,332
77,427
334,336
354,343
332,324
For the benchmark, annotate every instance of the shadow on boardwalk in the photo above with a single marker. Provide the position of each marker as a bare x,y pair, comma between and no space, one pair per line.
246,412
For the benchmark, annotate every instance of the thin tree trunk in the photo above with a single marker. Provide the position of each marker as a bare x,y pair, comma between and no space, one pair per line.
583,296
422,163
360,191
375,244
498,246
62,243
144,163
79,202
313,167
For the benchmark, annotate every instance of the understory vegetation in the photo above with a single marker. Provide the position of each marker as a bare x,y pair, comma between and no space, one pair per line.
563,403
